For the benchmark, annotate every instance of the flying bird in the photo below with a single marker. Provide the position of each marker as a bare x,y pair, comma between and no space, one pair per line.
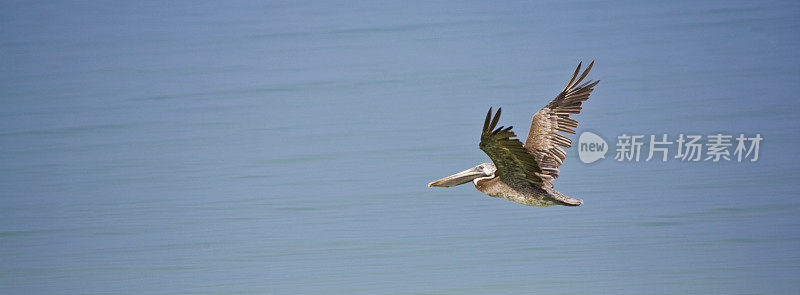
524,173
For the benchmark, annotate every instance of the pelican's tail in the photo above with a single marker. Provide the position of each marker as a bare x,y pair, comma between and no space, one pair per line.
566,201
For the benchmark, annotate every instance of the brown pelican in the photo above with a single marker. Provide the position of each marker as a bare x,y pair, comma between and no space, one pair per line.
524,173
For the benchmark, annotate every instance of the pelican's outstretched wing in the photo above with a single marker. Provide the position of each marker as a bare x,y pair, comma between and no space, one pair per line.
514,164
543,138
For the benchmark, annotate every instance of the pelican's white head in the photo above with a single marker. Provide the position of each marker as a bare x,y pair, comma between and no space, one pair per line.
484,171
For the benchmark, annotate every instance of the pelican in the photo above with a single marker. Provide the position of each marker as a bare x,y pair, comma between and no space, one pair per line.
524,173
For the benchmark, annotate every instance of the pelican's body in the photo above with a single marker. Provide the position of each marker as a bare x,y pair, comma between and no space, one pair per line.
523,173
525,195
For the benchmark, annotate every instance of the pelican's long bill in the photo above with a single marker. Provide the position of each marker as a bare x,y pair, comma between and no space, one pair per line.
459,178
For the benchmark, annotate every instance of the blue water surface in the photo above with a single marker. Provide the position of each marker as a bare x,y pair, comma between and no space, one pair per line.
284,147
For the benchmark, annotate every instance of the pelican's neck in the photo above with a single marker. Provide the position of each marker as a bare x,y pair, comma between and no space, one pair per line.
481,182
492,186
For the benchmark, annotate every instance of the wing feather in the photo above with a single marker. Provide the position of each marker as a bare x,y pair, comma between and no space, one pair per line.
514,164
544,142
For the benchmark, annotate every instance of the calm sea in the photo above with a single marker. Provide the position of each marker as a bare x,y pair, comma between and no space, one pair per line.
284,147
